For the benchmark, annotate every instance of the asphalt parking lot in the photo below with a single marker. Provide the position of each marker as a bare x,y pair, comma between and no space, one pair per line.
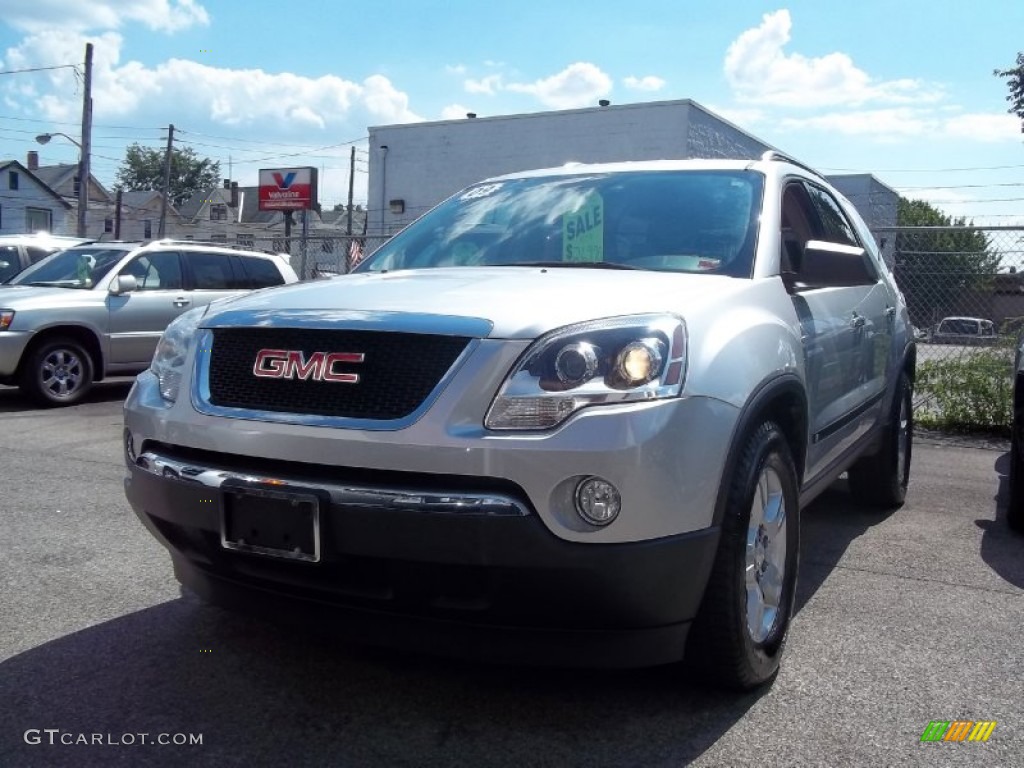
903,618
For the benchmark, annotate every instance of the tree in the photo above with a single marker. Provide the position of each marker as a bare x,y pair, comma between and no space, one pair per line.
143,170
1015,82
943,264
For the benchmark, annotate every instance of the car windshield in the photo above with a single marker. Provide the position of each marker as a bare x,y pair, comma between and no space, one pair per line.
80,267
677,221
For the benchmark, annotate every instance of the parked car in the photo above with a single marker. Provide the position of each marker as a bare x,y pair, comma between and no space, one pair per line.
964,330
98,310
586,442
17,252
1015,506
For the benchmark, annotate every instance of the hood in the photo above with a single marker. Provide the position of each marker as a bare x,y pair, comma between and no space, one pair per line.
518,302
26,297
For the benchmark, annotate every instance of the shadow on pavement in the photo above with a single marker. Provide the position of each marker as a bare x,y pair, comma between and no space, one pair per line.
263,694
13,401
828,526
1001,548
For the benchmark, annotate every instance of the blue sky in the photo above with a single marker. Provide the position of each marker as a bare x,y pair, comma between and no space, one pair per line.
904,90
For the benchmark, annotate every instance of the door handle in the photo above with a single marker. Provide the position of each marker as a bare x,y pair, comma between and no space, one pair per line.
857,321
181,301
890,312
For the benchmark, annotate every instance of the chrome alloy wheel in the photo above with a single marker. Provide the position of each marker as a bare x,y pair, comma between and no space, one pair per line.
765,555
61,373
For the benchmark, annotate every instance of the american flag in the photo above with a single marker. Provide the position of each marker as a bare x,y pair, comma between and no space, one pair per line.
355,252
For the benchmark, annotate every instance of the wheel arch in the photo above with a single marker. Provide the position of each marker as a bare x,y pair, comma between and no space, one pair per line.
83,335
783,400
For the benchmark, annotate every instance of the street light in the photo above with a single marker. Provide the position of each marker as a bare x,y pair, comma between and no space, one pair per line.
83,184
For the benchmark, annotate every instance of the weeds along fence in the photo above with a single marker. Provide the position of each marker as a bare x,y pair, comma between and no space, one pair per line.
964,287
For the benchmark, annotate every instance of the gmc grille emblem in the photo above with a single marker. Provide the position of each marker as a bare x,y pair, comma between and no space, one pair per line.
292,364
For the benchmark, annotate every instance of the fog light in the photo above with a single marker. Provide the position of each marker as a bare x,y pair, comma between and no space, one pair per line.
597,501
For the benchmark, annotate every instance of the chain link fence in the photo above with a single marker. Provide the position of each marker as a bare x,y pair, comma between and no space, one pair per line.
964,288
318,255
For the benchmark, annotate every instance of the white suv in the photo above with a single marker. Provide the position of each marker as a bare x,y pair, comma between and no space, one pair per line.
98,310
567,416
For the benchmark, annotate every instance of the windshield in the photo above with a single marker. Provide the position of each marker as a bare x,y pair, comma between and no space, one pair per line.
80,267
676,221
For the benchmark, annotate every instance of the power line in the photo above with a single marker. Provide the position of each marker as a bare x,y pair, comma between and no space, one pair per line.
40,69
965,186
922,170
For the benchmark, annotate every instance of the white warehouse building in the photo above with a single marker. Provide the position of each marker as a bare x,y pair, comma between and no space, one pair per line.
414,166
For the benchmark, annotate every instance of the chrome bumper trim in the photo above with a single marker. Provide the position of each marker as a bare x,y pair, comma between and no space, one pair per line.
493,505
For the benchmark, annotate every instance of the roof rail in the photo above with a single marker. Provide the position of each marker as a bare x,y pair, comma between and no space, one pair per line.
215,243
782,157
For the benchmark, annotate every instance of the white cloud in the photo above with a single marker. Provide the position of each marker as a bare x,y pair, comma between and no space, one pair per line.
648,83
984,127
454,112
455,69
899,122
761,72
234,97
488,85
578,85
81,15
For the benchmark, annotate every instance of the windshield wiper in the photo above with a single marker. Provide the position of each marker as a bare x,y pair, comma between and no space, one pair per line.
572,264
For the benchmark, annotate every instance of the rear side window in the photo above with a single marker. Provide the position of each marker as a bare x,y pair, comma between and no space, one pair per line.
10,262
36,254
212,271
261,272
963,327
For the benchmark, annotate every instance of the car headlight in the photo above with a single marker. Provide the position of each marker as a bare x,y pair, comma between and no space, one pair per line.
616,360
172,350
6,318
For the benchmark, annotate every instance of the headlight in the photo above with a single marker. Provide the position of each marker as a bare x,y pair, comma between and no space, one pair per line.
172,350
6,318
617,360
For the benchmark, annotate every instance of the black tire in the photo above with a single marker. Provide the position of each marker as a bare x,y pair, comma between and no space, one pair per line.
1015,505
881,480
57,372
723,647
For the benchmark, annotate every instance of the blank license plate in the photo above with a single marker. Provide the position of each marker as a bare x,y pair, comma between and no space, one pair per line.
276,522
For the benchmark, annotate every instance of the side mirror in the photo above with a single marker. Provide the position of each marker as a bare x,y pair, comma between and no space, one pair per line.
123,284
833,265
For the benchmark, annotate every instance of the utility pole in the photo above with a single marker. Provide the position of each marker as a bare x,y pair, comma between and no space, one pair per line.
117,216
351,178
83,163
167,180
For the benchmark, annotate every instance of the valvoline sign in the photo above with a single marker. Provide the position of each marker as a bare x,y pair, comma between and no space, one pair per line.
288,189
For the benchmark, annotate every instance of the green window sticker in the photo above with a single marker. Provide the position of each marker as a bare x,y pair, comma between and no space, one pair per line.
583,231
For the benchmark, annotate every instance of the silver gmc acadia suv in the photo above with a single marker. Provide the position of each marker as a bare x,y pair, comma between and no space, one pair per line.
568,416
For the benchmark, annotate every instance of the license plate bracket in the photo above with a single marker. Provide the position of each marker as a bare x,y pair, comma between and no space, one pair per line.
275,521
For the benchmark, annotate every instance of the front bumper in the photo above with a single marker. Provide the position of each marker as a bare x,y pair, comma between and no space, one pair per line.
12,347
476,575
